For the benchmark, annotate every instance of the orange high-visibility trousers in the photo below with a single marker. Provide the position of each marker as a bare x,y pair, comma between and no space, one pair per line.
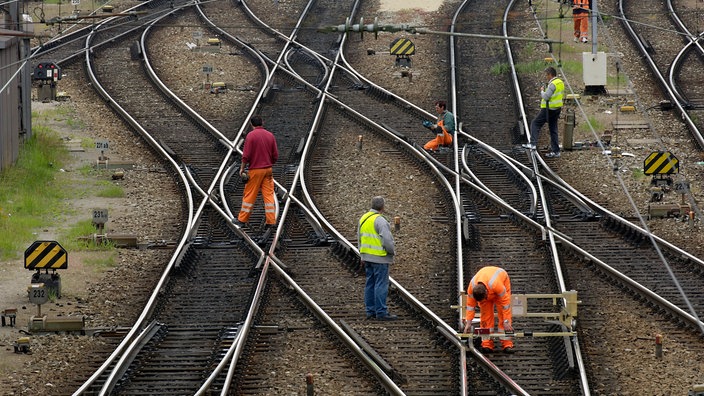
486,320
581,25
440,140
259,179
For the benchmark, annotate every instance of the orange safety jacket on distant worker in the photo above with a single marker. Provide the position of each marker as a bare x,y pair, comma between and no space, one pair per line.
580,18
444,138
498,286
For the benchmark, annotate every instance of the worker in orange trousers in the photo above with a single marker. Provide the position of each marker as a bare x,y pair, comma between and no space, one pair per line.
490,288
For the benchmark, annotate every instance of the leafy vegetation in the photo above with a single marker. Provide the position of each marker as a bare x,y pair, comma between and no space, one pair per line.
34,190
31,191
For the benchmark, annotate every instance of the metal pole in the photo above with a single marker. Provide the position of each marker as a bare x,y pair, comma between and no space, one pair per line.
595,12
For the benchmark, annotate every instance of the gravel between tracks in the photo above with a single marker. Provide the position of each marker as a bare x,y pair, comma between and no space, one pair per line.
108,298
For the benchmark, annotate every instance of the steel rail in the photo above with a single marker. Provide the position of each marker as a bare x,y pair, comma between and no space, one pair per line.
81,34
691,319
692,40
422,155
661,79
82,30
504,159
114,375
538,162
289,198
149,306
237,343
292,52
600,209
222,170
428,159
386,381
403,292
675,69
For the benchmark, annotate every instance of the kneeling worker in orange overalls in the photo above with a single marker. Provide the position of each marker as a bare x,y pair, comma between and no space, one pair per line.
444,127
260,153
490,288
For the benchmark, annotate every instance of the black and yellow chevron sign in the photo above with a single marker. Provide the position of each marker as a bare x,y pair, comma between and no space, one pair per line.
661,163
402,46
45,255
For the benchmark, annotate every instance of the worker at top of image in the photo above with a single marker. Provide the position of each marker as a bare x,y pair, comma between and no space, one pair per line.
443,127
377,250
580,18
551,102
260,153
490,288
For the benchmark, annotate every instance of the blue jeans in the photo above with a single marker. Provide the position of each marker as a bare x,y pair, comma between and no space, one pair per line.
550,116
376,288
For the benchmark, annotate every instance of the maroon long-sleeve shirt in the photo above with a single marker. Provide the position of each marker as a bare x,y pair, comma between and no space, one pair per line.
260,150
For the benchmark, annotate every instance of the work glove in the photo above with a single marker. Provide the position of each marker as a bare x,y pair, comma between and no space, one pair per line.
508,328
427,124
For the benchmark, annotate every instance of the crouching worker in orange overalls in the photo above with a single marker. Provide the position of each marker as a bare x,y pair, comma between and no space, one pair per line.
443,128
490,288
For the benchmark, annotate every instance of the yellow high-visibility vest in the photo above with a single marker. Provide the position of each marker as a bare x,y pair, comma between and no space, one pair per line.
556,98
369,239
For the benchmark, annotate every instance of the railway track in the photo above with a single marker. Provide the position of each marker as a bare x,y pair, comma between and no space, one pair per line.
670,63
67,47
144,369
500,220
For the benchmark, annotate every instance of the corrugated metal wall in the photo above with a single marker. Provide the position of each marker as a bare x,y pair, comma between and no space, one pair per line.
10,109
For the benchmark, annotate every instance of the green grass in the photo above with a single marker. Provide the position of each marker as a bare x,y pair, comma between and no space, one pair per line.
499,68
31,191
638,173
80,237
110,190
536,66
87,144
595,124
